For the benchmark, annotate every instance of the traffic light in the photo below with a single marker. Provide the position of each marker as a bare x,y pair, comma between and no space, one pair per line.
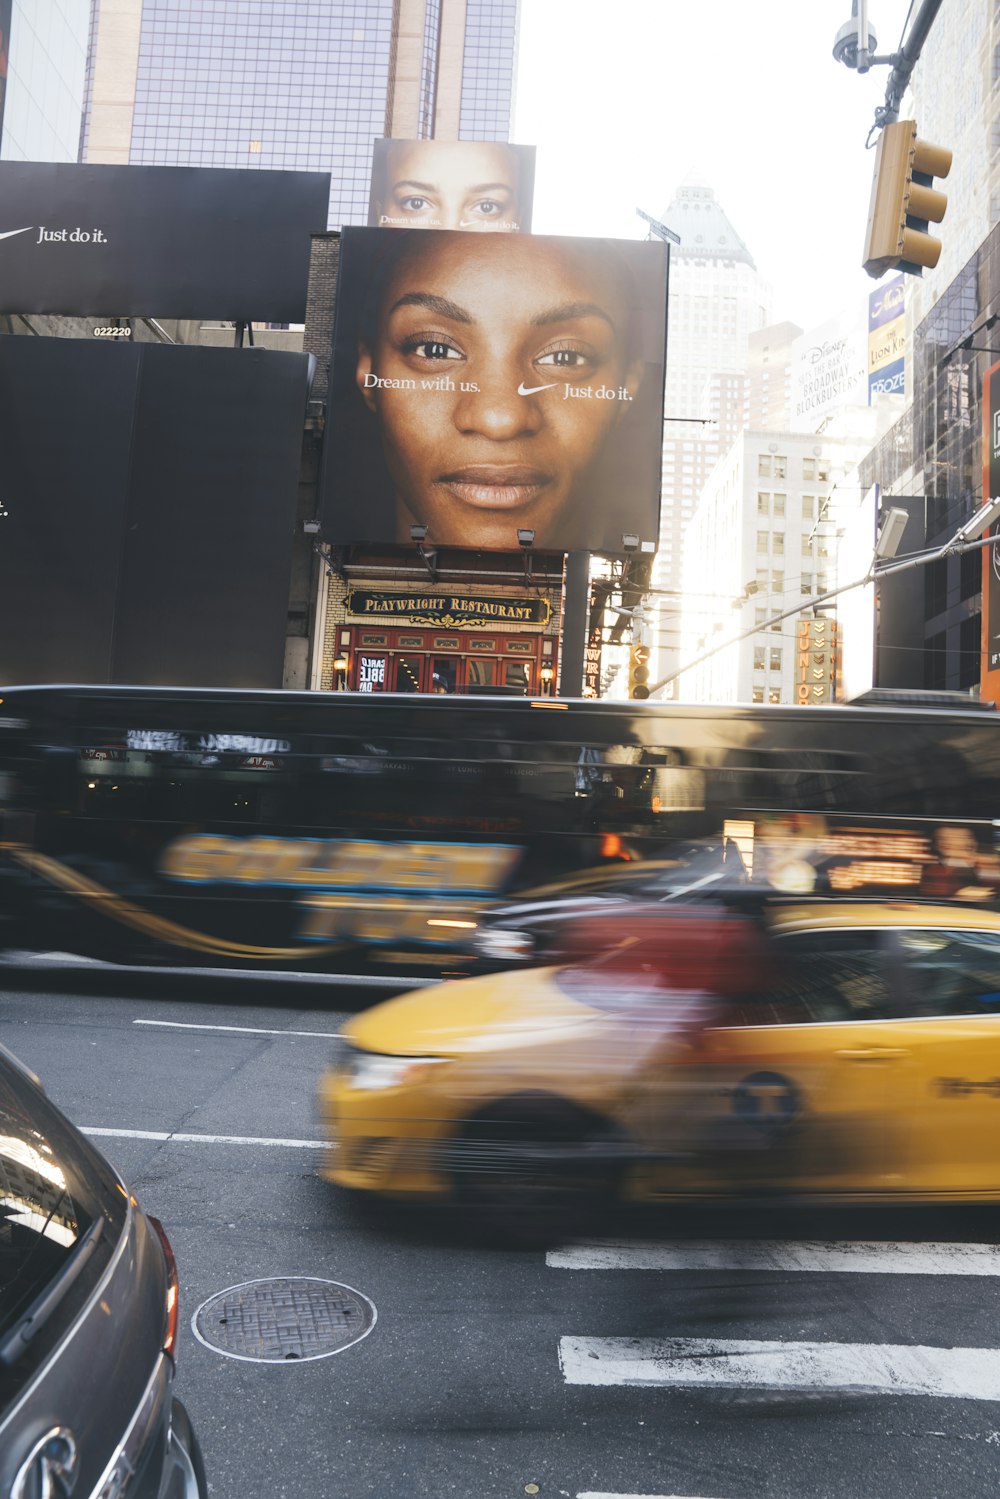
638,671
904,201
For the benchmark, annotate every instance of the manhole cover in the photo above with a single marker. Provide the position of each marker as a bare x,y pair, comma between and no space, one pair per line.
286,1320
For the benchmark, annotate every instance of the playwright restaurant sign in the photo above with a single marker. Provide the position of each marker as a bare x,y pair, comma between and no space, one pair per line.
483,384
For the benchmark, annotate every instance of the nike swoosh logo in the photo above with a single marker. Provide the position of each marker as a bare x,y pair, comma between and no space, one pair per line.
9,233
531,390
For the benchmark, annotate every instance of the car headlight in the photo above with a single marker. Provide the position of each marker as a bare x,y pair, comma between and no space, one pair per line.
370,1070
503,945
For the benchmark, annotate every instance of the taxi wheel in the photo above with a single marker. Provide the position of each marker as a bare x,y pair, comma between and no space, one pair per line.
534,1169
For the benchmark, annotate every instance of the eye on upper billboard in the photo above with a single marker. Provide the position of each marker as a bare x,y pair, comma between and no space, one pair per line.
485,384
179,242
476,185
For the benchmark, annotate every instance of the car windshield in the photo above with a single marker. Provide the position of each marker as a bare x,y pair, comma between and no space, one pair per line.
55,1198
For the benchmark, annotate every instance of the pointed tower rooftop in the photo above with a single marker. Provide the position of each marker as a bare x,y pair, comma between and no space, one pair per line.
705,231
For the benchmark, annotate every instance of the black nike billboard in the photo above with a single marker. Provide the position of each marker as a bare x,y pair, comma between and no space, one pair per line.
177,242
146,529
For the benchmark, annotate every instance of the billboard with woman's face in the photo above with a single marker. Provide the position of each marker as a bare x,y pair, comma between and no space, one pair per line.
477,185
483,384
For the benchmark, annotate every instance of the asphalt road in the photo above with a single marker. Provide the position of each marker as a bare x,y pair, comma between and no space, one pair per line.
494,1373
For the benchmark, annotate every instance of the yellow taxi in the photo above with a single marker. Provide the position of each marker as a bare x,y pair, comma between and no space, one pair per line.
830,1047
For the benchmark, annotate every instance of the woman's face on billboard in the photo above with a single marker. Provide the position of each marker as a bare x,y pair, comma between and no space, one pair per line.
498,372
451,185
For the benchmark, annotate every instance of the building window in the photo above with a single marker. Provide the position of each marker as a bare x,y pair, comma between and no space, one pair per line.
776,658
762,578
969,646
759,616
808,468
780,467
823,469
806,583
764,466
763,504
762,541
935,588
758,694
971,573
778,582
779,504
808,507
778,543
759,658
774,695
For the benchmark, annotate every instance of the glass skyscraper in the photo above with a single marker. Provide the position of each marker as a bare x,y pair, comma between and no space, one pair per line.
44,95
295,84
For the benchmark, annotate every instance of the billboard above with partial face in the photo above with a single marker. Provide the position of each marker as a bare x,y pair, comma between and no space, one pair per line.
483,186
485,384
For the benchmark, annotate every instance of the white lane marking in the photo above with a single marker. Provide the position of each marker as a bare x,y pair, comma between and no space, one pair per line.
775,1254
399,983
246,1030
883,1368
163,1134
591,1494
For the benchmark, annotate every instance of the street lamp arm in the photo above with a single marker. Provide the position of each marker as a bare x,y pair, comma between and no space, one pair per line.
953,548
961,542
775,619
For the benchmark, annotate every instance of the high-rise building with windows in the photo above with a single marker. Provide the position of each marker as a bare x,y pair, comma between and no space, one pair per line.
717,300
46,59
294,84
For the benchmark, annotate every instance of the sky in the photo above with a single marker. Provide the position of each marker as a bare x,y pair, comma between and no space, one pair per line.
624,99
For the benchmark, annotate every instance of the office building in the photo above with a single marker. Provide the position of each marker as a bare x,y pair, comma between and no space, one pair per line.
930,462
761,542
42,105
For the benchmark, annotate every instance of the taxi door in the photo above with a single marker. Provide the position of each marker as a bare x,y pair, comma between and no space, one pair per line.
949,1031
798,1089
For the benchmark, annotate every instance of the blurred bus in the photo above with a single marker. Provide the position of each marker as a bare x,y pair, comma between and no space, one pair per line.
352,832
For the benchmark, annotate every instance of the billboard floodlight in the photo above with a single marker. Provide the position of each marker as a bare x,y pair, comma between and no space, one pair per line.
890,534
981,521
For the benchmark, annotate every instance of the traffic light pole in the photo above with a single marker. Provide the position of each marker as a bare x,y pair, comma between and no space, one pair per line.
905,61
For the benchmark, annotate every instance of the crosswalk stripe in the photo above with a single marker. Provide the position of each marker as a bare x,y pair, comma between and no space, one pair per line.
884,1368
776,1254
